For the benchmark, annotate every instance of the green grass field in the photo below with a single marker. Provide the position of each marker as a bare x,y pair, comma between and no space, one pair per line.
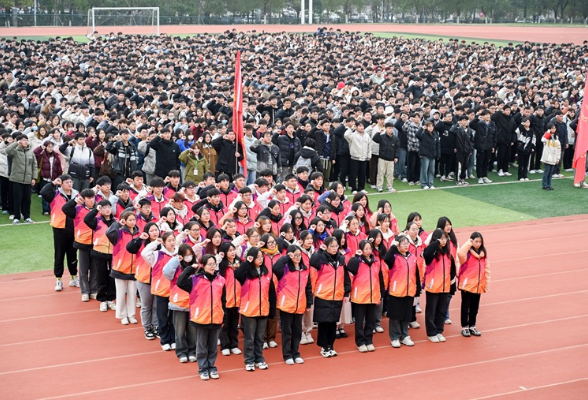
30,247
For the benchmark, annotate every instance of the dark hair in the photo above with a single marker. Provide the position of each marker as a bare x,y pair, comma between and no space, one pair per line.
358,196
436,235
476,235
103,180
157,182
441,222
210,249
146,230
413,215
88,194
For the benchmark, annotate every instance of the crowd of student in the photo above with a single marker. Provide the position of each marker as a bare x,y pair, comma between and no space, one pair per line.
207,259
357,107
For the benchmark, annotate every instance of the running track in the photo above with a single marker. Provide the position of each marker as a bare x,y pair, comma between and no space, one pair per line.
534,33
534,344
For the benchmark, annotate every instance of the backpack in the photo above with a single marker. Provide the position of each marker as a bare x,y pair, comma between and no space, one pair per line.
302,162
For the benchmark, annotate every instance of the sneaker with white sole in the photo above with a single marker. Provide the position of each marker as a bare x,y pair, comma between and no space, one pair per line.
425,188
261,365
474,331
103,306
250,367
85,297
124,321
418,309
465,332
58,285
15,222
404,180
133,320
507,174
500,173
410,183
236,351
74,282
183,359
299,360
204,376
431,187
303,340
362,348
441,337
379,329
532,171
192,358
539,171
486,180
471,176
149,335
407,341
526,179
111,305
448,321
29,221
213,374
272,344
414,325
433,339
165,347
226,352
371,347
325,352
93,296
173,346
332,352
309,338
395,343
265,346
481,181
289,361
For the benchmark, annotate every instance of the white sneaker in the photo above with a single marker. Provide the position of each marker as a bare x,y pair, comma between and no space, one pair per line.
103,306
526,179
303,339
425,188
261,365
299,360
183,359
486,180
569,170
434,339
480,181
250,367
395,344
173,346
362,348
85,297
555,176
404,180
407,341
354,192
373,186
391,190
93,296
236,351
58,285
309,338
471,176
192,358
448,321
74,282
15,222
371,347
133,320
441,337
431,187
111,305
500,173
539,171
226,352
418,309
414,325
289,361
166,347
364,191
124,321
265,346
522,179
379,329
507,174
410,183
442,179
272,344
29,221
532,171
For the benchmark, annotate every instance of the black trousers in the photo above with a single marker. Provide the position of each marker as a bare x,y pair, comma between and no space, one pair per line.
63,241
446,164
568,158
167,333
342,168
503,156
470,303
105,286
326,334
291,327
357,174
462,159
6,198
365,323
435,312
413,166
22,200
229,335
482,160
524,165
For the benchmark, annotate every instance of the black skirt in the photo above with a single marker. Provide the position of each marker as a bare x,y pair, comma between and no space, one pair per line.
400,308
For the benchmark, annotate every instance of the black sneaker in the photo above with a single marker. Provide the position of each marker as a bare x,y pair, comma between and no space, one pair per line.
343,333
465,332
156,333
149,334
337,334
474,331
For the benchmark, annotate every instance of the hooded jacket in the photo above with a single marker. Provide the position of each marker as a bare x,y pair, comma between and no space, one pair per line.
24,163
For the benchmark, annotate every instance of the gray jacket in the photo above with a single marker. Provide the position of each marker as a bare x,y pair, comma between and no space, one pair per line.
24,163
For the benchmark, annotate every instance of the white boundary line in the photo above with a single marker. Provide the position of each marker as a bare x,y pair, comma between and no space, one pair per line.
39,295
26,223
46,316
117,331
526,389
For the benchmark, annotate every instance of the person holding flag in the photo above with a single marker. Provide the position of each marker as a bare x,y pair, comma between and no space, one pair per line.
581,144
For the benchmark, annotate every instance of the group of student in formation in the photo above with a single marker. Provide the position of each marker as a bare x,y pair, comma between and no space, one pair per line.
210,259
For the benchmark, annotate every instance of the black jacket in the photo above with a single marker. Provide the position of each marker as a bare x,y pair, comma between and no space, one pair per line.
429,145
505,128
342,144
307,152
464,139
227,162
126,158
286,144
485,138
388,146
167,156
268,157
446,137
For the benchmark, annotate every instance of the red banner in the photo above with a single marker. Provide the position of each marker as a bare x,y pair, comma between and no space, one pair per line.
238,111
581,140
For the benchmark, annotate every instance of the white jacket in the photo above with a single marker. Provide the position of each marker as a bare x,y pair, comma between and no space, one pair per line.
551,151
3,161
360,145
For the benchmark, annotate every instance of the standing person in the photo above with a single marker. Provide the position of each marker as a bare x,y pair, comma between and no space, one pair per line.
404,286
49,168
551,155
196,164
81,161
473,280
388,156
209,152
360,148
248,140
484,143
102,253
268,154
538,126
126,157
207,291
411,128
124,266
289,146
506,137
332,288
158,254
464,144
447,164
229,336
76,209
439,273
258,302
229,154
5,184
373,130
525,147
57,193
429,151
562,135
343,155
167,151
366,289
294,298
23,172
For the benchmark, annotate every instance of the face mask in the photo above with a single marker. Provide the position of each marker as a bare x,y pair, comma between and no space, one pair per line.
188,259
190,137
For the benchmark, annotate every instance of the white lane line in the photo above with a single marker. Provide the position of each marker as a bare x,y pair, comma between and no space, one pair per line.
550,385
46,316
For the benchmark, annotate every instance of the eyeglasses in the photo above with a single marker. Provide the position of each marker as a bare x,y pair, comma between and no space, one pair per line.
271,243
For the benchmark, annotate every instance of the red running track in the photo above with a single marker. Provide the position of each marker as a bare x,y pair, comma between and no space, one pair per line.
533,33
534,344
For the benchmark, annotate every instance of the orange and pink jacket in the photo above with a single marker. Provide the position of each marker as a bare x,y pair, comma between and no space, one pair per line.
474,271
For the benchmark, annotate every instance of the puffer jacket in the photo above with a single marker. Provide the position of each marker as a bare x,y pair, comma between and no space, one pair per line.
311,154
505,128
268,157
485,138
227,162
389,145
360,146
192,164
251,156
429,145
49,170
551,149
24,163
284,143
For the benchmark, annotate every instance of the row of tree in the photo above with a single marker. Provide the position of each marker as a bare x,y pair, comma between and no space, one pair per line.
459,11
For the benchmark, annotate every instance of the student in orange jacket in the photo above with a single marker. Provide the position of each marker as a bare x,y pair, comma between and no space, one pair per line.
258,302
366,289
207,300
439,283
293,298
229,335
473,280
404,286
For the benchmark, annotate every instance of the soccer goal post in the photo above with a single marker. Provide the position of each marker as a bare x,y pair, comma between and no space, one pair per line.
143,20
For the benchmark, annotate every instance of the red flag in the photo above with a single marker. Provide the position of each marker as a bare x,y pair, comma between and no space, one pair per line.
238,111
581,140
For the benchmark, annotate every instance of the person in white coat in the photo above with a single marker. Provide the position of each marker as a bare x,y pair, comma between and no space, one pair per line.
360,148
